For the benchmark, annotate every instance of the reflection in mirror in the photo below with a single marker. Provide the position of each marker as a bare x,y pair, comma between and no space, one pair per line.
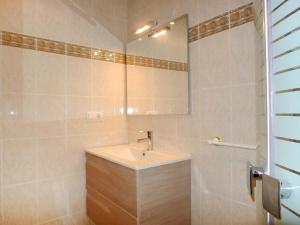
157,70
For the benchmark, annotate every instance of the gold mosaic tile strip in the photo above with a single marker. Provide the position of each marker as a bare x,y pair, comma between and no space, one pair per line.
143,61
193,33
18,40
129,59
97,54
78,51
241,15
178,66
155,63
120,58
51,46
109,56
213,26
57,47
160,64
236,17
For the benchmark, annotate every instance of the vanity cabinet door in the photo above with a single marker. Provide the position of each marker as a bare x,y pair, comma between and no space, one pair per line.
113,181
104,212
165,194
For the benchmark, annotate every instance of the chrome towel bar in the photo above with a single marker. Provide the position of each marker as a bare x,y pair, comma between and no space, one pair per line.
217,141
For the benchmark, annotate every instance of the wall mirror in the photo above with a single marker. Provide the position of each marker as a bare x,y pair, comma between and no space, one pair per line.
157,69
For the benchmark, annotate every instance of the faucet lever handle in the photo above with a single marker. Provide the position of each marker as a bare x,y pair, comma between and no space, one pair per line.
149,133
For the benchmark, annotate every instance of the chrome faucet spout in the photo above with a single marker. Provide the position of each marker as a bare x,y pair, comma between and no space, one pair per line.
149,139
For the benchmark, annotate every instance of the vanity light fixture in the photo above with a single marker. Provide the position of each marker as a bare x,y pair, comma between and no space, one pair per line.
146,27
160,32
142,29
172,23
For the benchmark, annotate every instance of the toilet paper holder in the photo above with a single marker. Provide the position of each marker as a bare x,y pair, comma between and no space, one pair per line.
273,190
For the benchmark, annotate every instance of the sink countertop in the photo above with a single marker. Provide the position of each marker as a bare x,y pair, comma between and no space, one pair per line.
131,156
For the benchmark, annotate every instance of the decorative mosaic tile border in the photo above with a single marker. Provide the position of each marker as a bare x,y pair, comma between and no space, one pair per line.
57,47
156,63
233,18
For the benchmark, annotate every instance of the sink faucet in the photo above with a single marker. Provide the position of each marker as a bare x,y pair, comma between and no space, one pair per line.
149,139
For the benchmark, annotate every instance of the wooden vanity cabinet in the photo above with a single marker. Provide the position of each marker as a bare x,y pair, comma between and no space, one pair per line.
117,195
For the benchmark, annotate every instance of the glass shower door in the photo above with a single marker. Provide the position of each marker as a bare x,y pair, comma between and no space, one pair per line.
278,110
284,37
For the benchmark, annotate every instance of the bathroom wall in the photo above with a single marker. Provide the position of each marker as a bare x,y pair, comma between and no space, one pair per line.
47,88
222,74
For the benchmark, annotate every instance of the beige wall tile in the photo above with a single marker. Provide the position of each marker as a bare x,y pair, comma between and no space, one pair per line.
106,105
214,210
110,14
76,151
57,111
18,16
79,127
237,3
76,193
20,204
108,79
18,71
189,127
242,49
80,16
50,16
19,161
242,214
51,115
52,157
244,114
166,126
239,189
52,200
215,170
78,76
215,110
19,116
51,74
210,9
214,67
77,107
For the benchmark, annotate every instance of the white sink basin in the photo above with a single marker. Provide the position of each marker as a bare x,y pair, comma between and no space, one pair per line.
133,157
